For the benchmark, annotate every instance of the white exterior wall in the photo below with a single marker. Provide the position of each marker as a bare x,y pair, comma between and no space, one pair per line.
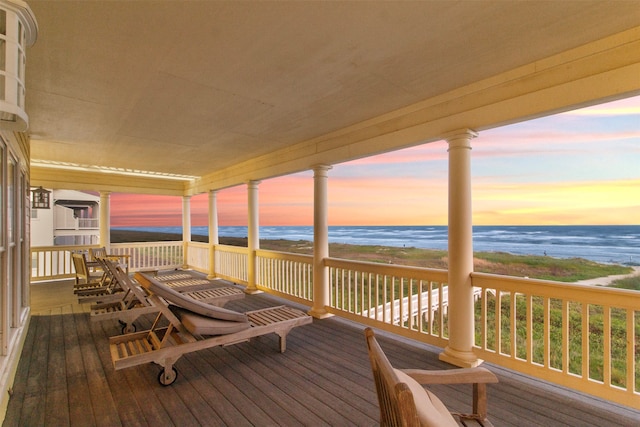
59,220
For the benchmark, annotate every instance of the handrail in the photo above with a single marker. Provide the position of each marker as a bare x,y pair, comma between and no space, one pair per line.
231,263
285,274
409,301
54,262
580,336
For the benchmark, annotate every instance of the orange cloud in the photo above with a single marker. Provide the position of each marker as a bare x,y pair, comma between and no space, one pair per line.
591,202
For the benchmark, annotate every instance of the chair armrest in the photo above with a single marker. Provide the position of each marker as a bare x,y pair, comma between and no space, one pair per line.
479,377
452,376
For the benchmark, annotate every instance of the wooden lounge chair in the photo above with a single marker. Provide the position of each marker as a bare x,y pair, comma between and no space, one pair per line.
195,326
404,402
133,302
109,291
85,279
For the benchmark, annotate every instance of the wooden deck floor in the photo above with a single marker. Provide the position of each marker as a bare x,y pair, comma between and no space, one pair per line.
65,378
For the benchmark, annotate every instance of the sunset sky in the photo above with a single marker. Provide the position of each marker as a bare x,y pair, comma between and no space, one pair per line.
579,167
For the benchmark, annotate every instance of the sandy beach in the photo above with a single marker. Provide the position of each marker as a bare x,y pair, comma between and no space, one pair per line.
607,280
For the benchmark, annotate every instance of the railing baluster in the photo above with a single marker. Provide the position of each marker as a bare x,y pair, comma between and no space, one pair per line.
565,336
585,341
606,331
547,332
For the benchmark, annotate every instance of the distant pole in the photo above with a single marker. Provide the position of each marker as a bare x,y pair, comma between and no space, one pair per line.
213,231
320,243
460,291
253,237
186,228
105,220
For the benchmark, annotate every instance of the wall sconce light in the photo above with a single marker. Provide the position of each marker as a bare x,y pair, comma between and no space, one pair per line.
40,198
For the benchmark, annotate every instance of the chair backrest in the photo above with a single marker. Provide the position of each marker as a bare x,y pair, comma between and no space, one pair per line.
80,264
96,253
125,282
397,407
403,400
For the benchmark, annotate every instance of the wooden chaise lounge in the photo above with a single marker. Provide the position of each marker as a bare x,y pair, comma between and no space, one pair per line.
194,326
405,402
134,302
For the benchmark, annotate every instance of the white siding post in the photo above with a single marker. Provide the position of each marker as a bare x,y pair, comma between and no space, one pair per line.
213,232
320,243
459,352
105,220
253,237
186,229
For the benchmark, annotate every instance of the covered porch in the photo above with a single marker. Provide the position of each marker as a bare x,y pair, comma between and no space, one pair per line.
65,377
175,98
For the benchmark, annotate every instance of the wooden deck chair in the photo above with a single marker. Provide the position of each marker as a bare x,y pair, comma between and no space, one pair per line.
134,302
194,326
108,291
85,279
121,259
405,402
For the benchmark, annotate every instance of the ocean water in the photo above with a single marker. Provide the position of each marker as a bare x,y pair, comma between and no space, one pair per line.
618,244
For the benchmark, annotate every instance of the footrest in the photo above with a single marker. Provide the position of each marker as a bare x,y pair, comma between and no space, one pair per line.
271,315
127,350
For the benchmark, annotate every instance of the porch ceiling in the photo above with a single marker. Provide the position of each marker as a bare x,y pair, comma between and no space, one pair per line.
198,88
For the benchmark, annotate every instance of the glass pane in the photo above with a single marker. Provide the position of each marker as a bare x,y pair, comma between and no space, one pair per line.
3,55
11,167
3,22
2,166
21,66
21,96
2,92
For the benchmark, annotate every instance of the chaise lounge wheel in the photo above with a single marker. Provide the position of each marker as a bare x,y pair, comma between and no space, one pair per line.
167,377
128,328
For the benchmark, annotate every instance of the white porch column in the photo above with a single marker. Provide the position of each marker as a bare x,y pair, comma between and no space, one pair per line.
186,228
460,293
320,243
253,241
105,220
213,231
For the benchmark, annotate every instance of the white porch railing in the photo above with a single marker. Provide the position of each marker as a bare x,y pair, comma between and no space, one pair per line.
388,297
54,262
151,255
231,263
583,337
285,274
198,256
